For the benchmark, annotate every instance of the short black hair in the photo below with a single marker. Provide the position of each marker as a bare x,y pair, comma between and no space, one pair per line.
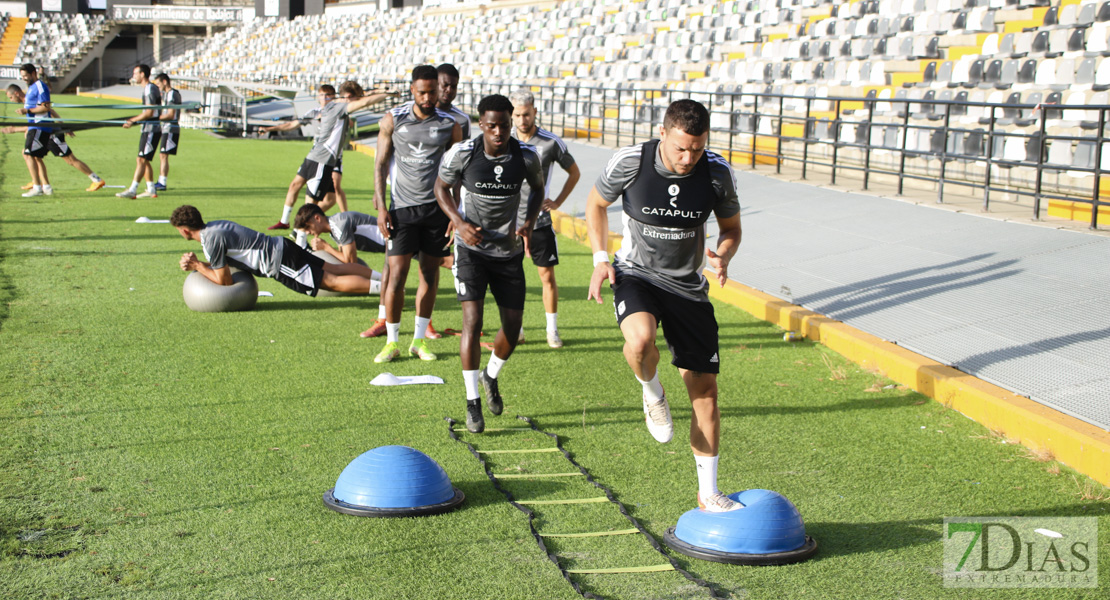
188,217
328,89
144,69
305,214
15,89
28,68
495,103
162,77
425,72
448,69
688,115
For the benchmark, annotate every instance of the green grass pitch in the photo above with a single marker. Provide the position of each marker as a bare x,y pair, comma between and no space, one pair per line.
147,451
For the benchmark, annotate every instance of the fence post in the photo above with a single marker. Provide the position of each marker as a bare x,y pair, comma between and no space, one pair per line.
1040,143
836,141
944,153
1096,199
755,128
805,136
867,148
990,163
905,142
778,139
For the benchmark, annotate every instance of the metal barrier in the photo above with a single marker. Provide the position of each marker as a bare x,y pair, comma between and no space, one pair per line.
901,138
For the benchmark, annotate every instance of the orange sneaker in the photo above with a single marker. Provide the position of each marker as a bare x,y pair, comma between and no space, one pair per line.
376,330
96,185
28,186
431,332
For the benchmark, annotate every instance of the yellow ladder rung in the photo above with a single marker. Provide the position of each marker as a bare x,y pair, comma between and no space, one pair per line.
522,451
591,534
648,569
534,475
576,501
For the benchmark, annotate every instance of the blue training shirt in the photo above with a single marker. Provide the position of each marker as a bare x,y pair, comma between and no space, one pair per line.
37,94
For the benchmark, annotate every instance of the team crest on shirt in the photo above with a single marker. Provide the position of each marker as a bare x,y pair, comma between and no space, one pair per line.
497,171
673,191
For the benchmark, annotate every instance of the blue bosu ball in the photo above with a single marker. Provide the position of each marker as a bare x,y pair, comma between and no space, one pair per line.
767,531
393,481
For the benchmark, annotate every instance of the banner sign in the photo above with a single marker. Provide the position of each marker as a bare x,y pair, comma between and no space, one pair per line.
179,14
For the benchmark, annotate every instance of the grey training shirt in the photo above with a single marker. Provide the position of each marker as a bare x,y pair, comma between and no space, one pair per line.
461,118
672,258
331,136
418,147
552,150
496,214
152,96
226,243
171,98
345,225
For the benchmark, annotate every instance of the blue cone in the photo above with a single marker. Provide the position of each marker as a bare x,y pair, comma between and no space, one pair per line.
767,531
393,481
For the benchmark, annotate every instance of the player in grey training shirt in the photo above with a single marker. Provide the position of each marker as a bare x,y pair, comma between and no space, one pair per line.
448,89
669,188
227,244
149,134
352,231
411,141
171,132
545,248
490,241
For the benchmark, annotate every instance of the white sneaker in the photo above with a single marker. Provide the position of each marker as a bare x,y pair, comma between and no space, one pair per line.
32,194
553,339
718,503
47,190
147,194
658,418
126,194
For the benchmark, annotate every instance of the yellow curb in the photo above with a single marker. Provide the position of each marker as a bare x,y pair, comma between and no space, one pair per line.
108,97
366,149
1076,443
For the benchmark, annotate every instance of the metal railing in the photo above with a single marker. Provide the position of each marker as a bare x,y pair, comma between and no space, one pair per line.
1002,148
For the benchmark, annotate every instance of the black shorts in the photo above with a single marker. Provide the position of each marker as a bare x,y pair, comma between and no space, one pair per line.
544,247
36,143
318,178
170,140
300,270
148,143
504,276
689,326
420,229
338,168
58,145
365,244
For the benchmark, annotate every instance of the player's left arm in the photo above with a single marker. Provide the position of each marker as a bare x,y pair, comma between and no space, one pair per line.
728,225
367,100
143,116
573,175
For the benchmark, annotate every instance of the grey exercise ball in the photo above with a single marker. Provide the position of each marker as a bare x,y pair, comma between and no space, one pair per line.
329,258
202,295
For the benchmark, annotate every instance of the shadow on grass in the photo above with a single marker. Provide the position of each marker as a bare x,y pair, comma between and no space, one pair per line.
367,302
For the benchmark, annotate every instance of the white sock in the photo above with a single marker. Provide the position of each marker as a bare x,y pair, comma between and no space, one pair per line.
285,212
134,186
94,177
375,287
493,367
653,390
470,379
375,275
150,186
46,187
392,332
162,179
381,311
552,321
302,239
36,188
421,327
707,475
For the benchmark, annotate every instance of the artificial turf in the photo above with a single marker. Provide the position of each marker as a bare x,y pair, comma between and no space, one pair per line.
151,452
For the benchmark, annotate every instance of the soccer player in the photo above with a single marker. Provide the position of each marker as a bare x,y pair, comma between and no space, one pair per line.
490,241
544,248
36,105
171,132
324,95
55,143
448,89
149,134
227,244
352,232
669,187
411,141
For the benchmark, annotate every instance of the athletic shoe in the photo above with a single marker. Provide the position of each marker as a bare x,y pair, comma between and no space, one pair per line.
158,187
125,194
376,330
28,186
553,339
278,225
658,418
718,502
431,332
475,422
419,348
493,397
391,351
96,185
47,191
32,194
147,194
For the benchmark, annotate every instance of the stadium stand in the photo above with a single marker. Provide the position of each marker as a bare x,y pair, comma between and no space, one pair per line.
57,41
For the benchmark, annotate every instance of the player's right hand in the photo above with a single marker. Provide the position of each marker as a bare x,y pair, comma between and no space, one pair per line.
319,244
189,261
602,271
470,233
384,224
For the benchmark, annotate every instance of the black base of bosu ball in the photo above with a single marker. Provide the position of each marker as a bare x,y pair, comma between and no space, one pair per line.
767,531
393,481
